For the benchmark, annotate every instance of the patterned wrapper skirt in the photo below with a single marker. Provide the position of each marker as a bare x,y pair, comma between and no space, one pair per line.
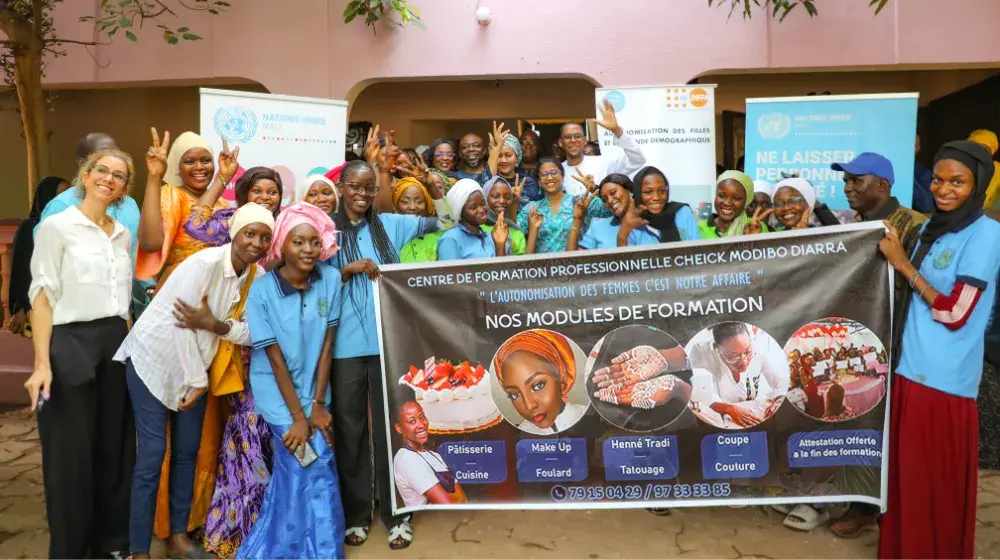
242,478
933,456
302,516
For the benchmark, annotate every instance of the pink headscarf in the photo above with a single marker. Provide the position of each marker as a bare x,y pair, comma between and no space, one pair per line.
303,213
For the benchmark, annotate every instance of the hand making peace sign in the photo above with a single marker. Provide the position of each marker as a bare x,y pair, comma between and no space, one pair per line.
759,215
582,205
585,180
156,156
228,161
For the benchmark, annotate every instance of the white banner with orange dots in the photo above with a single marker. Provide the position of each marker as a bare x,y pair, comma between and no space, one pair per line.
296,136
675,127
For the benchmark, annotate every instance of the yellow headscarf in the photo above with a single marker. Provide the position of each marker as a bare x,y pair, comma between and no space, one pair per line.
182,144
407,182
547,345
988,139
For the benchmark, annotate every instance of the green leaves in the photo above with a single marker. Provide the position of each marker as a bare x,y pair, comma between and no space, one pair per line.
397,12
781,8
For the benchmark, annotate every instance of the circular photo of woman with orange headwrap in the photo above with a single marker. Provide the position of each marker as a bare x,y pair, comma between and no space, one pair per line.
534,376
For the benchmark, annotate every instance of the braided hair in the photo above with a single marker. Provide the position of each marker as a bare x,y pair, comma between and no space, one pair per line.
349,250
246,182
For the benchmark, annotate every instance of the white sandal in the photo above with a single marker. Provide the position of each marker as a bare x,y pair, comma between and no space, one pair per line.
805,518
402,532
359,534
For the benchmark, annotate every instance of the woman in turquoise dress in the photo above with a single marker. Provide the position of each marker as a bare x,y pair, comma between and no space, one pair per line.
548,231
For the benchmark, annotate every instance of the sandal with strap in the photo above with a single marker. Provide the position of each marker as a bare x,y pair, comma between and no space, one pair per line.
356,536
805,518
401,534
660,512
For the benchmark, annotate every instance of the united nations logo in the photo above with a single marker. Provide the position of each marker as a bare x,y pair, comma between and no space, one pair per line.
944,259
235,124
774,125
323,307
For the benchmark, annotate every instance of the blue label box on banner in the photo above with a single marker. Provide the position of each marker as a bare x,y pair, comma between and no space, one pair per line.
835,448
476,462
734,455
552,460
641,458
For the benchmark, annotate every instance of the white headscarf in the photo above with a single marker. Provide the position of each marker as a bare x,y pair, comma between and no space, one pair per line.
186,141
804,187
763,187
302,188
459,195
250,213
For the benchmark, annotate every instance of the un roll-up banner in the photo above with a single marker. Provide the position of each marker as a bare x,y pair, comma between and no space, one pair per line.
723,372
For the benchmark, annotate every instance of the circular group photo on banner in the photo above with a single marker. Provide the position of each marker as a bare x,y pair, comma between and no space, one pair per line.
839,369
638,379
739,375
536,379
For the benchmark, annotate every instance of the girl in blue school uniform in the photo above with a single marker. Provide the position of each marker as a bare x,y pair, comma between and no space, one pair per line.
624,228
293,313
367,241
934,431
468,240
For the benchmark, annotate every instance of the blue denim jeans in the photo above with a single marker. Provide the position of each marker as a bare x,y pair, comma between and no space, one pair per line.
151,418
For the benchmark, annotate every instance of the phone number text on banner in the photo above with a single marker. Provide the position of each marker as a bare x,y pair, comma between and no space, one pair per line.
751,371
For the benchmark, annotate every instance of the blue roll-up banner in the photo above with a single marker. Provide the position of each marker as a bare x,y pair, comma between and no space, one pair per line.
805,135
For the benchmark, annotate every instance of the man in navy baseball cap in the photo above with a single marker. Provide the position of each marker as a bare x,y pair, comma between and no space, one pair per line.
868,180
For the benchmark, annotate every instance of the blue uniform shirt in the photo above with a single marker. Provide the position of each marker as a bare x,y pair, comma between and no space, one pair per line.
458,243
127,213
603,234
687,225
933,355
357,334
278,313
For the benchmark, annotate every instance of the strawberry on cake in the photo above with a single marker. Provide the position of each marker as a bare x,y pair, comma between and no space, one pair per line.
456,399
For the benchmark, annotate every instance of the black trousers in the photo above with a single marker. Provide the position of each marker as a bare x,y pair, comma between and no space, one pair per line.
88,441
357,383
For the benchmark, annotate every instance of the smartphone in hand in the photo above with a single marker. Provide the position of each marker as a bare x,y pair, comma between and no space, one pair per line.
307,458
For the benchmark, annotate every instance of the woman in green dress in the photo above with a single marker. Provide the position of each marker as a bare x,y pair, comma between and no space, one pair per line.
502,197
410,196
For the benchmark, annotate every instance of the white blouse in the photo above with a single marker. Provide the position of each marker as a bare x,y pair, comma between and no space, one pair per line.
86,274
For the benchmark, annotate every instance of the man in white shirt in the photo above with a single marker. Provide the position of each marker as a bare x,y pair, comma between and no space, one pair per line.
739,357
572,139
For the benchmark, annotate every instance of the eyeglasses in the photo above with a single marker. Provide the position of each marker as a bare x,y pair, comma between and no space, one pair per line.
573,137
736,356
553,173
444,155
364,189
790,202
104,172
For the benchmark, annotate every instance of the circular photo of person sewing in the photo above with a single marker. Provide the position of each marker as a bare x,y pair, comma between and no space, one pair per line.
535,386
421,474
638,378
740,375
838,369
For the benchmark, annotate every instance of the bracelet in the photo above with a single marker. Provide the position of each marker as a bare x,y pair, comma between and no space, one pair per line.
574,229
924,290
913,279
319,402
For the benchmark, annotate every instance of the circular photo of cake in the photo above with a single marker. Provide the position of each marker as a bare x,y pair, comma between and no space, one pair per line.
455,398
740,375
536,382
638,378
838,369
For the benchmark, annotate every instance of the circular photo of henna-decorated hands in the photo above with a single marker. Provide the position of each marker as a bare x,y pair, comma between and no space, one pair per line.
638,378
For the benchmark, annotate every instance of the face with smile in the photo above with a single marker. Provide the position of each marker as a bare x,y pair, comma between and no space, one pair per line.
572,140
864,192
443,157
470,149
474,211
737,352
507,161
550,177
107,180
266,193
952,185
529,146
500,197
730,199
251,243
655,193
789,206
197,169
616,198
533,387
302,248
412,202
413,425
357,192
760,200
321,195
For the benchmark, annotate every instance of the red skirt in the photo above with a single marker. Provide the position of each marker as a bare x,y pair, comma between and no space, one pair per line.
933,474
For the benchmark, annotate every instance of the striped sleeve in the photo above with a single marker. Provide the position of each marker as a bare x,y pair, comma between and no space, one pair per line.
954,310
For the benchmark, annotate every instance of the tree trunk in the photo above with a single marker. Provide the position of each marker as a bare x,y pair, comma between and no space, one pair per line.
31,98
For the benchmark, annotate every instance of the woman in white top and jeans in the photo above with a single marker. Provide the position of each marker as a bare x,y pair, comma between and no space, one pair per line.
80,294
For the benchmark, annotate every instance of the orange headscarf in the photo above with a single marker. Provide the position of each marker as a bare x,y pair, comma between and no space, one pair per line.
547,345
407,182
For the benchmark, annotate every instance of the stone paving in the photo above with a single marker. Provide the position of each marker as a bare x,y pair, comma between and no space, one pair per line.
690,533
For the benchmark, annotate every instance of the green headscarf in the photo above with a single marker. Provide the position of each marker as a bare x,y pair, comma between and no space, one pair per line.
736,228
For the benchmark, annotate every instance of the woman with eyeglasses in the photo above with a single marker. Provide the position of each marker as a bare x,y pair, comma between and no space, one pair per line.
441,154
548,222
795,202
81,288
368,240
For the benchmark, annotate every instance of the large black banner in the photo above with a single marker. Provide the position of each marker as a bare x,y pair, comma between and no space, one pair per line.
750,371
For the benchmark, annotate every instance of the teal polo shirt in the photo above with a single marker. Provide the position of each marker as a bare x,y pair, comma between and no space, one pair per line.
458,243
127,212
603,234
357,334
297,321
932,354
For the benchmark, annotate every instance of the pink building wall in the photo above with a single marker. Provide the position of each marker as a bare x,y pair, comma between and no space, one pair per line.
302,47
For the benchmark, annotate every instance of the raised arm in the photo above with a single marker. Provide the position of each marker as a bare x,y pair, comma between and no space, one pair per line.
151,235
631,159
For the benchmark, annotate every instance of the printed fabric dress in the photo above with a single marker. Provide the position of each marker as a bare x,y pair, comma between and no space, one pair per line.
554,234
246,454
